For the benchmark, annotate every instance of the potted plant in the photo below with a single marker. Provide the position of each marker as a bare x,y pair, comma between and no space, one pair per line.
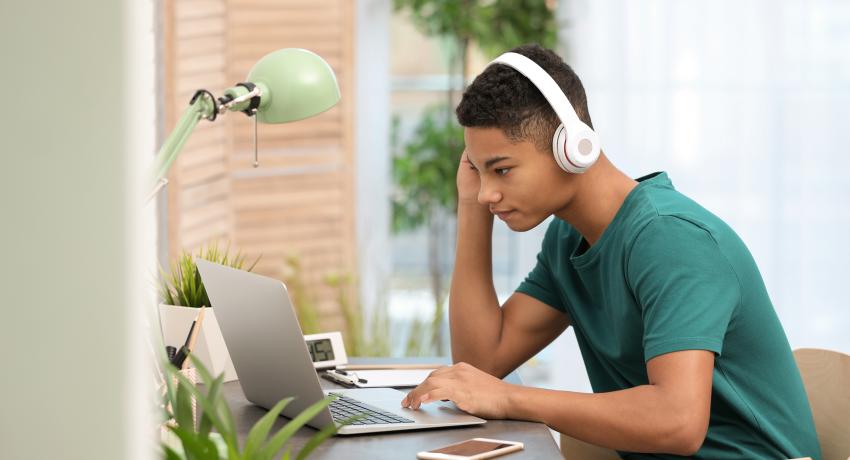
183,293
191,440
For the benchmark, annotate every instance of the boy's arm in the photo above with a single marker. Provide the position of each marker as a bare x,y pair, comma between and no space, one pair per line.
670,414
492,338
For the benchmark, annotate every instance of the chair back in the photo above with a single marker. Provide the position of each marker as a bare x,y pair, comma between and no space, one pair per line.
826,376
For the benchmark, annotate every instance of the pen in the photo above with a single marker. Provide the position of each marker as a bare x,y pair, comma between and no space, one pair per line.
341,376
196,329
191,332
338,379
179,360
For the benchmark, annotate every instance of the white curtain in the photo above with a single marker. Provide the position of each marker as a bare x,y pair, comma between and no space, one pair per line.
746,104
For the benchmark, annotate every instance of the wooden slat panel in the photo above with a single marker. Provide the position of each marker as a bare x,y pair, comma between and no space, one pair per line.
199,192
294,183
273,263
189,47
186,87
303,246
289,5
305,18
281,134
193,9
217,190
274,199
204,148
245,218
295,231
201,64
204,235
208,212
202,174
204,27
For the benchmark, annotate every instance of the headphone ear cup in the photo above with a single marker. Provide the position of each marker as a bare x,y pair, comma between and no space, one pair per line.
582,148
559,148
578,152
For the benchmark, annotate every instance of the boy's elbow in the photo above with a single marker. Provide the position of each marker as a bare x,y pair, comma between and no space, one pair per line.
690,446
688,436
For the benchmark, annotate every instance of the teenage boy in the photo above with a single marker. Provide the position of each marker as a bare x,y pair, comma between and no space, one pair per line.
680,340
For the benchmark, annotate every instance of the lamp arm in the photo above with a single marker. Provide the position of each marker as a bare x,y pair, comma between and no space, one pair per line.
202,107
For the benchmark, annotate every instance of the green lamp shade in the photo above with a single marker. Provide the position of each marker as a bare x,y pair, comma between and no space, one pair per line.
296,84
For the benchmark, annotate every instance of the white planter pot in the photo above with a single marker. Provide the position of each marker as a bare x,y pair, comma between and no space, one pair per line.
209,347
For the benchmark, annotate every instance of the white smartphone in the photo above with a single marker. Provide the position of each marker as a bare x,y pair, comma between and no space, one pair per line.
472,449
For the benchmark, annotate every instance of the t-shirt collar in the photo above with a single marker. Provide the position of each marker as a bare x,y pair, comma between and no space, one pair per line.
653,179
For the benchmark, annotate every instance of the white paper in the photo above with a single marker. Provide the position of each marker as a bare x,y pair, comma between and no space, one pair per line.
391,378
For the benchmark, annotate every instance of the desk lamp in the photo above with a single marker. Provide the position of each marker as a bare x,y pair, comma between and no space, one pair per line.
285,85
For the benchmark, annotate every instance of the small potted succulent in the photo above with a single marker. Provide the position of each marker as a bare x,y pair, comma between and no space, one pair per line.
182,294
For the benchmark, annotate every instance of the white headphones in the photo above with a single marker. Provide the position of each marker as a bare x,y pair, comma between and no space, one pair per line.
574,145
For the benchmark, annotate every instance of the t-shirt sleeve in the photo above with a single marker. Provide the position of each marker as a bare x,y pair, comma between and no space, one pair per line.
685,286
540,282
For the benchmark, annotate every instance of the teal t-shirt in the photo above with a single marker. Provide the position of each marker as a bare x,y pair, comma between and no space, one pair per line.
667,275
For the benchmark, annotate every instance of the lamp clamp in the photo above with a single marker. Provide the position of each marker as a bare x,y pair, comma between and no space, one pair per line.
254,93
216,106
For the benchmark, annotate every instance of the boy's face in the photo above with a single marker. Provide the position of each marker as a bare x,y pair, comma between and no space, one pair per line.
520,184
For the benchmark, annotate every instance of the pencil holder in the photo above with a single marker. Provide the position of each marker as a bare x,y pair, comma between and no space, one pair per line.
192,375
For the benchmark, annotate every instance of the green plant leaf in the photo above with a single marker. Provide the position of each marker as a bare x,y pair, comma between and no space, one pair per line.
225,451
211,409
171,454
170,397
183,408
194,447
424,173
260,431
282,436
213,395
223,413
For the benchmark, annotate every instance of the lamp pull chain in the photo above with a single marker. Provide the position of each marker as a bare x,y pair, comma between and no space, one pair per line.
256,158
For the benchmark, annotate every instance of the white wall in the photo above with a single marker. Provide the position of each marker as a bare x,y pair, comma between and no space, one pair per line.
76,125
746,104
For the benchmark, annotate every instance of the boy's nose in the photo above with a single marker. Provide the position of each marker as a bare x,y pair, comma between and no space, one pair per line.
487,197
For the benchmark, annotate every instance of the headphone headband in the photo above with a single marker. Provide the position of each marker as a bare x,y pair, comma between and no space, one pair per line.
545,83
575,144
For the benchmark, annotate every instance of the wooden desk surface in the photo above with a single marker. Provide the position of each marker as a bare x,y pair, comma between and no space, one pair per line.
538,441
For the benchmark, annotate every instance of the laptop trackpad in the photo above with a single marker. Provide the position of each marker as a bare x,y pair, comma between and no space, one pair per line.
389,400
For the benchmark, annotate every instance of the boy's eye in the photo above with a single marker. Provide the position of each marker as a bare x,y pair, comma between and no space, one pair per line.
502,171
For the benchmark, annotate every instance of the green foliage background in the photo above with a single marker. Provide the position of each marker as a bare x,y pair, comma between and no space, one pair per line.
424,168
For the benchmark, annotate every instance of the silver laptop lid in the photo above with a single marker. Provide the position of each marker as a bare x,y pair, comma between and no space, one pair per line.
264,338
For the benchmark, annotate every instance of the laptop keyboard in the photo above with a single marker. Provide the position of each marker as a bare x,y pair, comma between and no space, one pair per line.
344,407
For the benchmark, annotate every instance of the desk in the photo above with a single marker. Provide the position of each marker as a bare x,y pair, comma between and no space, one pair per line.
537,438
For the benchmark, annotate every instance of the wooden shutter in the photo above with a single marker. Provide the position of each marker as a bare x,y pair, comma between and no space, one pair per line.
199,208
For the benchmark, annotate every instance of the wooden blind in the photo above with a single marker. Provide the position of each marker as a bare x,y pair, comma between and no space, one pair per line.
300,201
199,208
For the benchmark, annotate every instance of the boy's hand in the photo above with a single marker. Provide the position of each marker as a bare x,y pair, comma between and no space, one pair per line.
472,390
468,182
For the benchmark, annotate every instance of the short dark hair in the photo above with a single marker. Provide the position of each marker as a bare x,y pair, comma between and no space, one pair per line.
501,97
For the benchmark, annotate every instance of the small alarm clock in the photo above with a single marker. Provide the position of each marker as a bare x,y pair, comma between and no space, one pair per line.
326,349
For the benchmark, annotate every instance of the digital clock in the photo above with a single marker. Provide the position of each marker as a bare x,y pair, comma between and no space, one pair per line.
326,350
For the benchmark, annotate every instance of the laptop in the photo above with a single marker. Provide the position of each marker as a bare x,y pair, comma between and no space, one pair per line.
271,358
